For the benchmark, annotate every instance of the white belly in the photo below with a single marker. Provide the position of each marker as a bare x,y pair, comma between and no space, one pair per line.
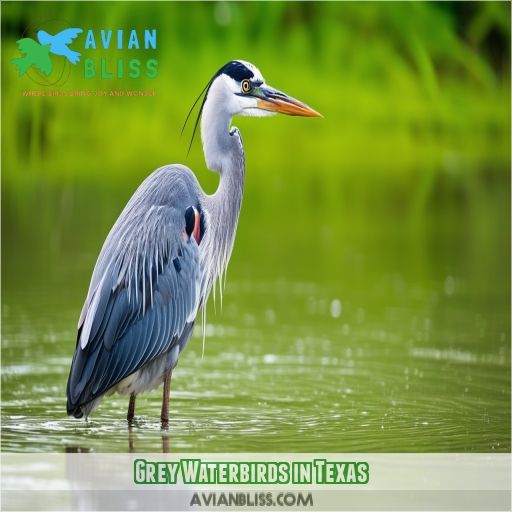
150,376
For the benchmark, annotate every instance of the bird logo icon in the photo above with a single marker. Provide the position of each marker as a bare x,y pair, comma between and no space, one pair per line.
34,54
37,53
58,43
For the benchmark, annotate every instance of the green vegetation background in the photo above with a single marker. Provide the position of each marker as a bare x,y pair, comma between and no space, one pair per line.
417,94
416,99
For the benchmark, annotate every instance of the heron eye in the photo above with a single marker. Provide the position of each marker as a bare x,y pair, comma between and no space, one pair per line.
246,85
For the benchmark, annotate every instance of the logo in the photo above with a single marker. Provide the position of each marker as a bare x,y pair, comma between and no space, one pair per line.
109,54
41,53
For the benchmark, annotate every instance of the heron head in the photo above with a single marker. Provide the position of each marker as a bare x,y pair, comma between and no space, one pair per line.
238,88
245,93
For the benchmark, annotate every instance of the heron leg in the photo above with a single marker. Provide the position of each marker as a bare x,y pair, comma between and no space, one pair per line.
165,441
131,408
165,400
130,439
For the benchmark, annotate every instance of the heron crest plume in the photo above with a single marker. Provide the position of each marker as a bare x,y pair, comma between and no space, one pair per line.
236,69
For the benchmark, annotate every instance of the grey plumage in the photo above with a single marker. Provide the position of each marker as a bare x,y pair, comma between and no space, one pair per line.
140,310
138,306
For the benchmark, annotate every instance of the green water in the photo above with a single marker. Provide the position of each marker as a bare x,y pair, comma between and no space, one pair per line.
341,330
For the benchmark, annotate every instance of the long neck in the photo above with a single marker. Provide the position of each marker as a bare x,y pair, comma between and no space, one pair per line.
224,154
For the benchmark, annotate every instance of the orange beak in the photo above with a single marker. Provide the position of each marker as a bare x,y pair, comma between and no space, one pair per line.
277,101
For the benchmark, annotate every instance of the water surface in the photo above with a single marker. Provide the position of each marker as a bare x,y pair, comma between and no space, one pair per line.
375,333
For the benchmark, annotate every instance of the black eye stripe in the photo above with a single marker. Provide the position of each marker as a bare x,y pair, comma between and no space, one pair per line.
236,70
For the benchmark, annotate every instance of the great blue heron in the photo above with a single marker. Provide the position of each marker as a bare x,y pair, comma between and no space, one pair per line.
165,252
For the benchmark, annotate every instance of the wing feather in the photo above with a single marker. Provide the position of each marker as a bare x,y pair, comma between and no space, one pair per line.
139,303
66,36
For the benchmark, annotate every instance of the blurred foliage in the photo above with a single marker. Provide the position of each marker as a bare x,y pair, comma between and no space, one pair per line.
415,95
